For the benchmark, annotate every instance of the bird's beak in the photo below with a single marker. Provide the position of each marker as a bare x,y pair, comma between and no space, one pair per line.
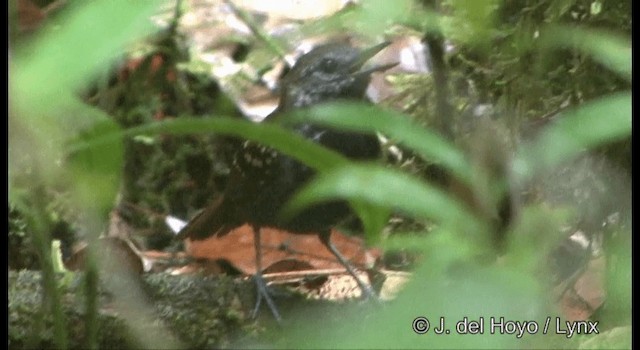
365,55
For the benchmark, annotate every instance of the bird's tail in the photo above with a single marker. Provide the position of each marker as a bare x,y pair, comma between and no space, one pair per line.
209,222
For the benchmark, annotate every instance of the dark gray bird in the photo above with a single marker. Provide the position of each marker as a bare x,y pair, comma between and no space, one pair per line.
263,180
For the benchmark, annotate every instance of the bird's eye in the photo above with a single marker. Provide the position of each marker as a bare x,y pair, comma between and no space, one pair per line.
328,65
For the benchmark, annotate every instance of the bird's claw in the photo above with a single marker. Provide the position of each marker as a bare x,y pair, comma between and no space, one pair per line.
262,292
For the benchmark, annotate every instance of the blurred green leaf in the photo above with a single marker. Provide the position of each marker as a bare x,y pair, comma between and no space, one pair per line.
46,74
374,218
95,171
45,113
533,236
373,17
615,338
592,124
611,50
366,118
272,135
557,9
92,34
389,188
369,18
618,278
51,125
445,285
471,22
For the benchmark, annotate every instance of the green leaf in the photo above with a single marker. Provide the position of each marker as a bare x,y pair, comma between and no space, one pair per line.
445,285
91,34
472,21
373,17
45,76
367,118
611,50
285,141
95,171
374,218
387,188
590,125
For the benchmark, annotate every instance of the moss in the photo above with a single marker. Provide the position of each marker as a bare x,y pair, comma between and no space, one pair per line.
30,327
22,254
164,174
524,81
203,312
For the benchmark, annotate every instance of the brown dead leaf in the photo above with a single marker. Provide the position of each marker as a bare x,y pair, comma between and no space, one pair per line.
206,267
281,250
29,15
587,293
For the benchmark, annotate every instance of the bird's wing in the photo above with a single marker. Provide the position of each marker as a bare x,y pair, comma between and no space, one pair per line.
210,221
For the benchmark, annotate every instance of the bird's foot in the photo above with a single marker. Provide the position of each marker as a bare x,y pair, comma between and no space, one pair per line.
367,292
262,292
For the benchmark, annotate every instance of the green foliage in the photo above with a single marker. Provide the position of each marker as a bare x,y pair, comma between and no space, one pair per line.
605,120
611,50
387,188
528,59
22,254
45,116
371,19
51,78
360,117
471,21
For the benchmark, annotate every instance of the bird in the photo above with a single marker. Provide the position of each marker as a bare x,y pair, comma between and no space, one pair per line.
262,180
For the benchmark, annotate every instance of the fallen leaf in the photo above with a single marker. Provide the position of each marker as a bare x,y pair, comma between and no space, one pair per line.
281,250
587,294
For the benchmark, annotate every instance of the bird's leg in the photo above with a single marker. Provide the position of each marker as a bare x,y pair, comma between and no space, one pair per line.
261,285
367,292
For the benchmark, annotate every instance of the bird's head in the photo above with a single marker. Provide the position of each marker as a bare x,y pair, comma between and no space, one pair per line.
328,72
